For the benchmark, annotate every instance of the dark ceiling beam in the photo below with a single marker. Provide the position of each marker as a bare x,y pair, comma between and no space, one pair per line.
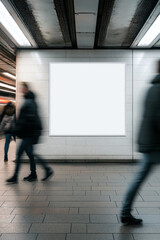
66,16
105,8
25,12
7,80
5,40
6,56
7,94
7,60
142,13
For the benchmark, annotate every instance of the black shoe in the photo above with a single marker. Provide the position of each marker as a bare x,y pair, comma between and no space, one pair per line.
130,220
31,177
49,173
12,180
5,159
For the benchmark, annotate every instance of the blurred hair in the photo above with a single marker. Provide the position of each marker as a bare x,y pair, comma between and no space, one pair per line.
158,67
25,85
9,109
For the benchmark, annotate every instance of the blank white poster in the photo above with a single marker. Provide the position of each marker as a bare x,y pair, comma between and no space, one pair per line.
87,99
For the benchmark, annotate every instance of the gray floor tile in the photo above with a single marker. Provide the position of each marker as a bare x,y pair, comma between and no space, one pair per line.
147,204
5,211
120,198
107,210
109,192
67,218
78,228
146,236
55,193
25,204
78,198
83,204
148,193
28,219
36,198
29,211
6,218
19,236
93,193
89,237
13,198
20,193
50,228
118,228
44,236
103,219
73,211
123,237
148,210
103,228
79,193
2,193
151,198
14,228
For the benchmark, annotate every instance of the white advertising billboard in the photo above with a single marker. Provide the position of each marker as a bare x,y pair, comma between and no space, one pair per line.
87,99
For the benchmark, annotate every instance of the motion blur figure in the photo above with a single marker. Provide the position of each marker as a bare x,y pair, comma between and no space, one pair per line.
28,128
148,144
7,123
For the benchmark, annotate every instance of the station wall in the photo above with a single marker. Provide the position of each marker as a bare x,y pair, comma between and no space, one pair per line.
141,67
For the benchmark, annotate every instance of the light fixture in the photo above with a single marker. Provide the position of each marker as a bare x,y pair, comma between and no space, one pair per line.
9,75
7,86
151,34
11,26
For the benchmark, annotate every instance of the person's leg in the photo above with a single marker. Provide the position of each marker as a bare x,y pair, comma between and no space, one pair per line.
42,162
20,151
150,159
29,151
48,170
6,146
136,183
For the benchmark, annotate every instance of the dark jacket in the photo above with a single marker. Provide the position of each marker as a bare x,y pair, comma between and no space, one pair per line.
149,133
28,124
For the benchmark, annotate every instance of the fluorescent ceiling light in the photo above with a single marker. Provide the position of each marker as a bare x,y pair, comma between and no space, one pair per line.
151,34
7,86
11,26
7,91
9,75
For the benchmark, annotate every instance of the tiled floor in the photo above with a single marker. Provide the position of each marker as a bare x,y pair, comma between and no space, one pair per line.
81,202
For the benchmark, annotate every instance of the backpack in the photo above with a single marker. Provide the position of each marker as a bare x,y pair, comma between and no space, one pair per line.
7,123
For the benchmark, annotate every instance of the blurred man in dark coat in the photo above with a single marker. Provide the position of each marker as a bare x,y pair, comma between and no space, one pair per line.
28,128
149,145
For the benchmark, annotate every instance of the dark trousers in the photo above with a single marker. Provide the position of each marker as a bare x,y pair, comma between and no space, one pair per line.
26,145
150,159
7,142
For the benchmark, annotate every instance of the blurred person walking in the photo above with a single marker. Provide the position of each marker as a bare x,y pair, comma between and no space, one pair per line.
7,123
149,145
28,128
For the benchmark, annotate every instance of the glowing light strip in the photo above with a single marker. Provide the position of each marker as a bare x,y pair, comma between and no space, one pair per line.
9,75
7,86
151,34
11,26
7,91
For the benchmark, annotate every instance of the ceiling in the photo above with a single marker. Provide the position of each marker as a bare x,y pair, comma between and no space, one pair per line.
76,24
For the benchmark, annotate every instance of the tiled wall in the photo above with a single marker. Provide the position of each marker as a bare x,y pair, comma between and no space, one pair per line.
33,66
